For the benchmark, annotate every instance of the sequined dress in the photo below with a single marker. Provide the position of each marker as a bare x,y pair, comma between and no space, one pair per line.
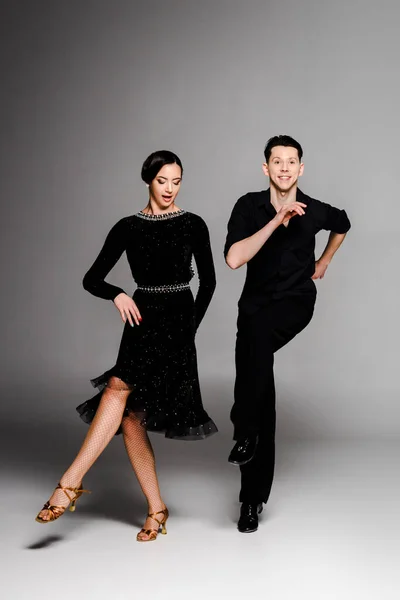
157,359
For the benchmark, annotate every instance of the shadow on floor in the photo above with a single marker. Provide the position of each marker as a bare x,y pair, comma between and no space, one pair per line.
45,542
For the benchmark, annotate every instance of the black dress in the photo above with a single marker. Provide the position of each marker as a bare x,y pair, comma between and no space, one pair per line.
157,359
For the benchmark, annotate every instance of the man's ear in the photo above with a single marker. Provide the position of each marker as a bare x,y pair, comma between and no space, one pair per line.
301,169
265,169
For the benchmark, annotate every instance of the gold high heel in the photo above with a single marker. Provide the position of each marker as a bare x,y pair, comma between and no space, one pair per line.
152,533
55,512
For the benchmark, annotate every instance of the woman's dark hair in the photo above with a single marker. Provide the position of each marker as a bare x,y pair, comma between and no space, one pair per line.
282,140
156,161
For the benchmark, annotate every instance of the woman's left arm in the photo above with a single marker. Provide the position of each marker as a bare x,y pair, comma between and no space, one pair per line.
205,268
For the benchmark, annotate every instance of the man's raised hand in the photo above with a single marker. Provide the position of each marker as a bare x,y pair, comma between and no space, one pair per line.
287,211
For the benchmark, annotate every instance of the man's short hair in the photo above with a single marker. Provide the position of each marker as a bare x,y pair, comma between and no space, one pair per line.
282,140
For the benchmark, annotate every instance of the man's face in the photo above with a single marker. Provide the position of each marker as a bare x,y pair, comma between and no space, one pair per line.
283,168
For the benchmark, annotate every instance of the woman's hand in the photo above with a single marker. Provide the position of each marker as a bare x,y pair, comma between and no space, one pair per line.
127,309
287,211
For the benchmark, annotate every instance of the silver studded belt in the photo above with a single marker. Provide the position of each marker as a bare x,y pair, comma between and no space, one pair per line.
160,289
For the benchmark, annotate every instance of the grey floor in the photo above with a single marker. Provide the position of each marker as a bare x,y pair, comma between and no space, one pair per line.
330,531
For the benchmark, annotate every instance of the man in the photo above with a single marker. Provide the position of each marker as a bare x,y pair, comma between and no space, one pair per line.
273,232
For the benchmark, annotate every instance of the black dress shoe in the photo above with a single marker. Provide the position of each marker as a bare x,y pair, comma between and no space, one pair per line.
243,451
248,521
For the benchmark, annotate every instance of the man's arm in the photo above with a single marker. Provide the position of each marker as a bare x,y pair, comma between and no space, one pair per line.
241,252
334,242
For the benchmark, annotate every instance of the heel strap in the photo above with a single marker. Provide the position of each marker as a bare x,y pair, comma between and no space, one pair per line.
153,515
75,491
82,491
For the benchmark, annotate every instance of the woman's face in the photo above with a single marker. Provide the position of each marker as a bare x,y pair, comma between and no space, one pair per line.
165,186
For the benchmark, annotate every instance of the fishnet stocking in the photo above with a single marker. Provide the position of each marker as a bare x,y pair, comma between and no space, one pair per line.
102,429
141,456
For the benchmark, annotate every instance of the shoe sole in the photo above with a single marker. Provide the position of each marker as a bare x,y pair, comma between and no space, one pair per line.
248,530
239,464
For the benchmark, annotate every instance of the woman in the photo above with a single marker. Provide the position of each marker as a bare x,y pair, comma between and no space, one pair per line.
154,384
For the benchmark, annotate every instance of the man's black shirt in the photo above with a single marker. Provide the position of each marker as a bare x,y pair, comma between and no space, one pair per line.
285,264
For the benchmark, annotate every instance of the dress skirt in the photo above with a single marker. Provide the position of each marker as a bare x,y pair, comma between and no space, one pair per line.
158,363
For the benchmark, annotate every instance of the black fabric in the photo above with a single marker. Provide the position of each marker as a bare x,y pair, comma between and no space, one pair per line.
286,262
277,303
159,252
259,336
157,359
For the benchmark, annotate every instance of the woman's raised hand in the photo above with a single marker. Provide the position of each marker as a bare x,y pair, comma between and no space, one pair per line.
127,309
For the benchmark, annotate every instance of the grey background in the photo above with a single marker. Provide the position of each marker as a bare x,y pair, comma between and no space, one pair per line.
88,90
91,88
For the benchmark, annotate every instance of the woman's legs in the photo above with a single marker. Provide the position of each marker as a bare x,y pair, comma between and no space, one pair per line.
141,456
104,426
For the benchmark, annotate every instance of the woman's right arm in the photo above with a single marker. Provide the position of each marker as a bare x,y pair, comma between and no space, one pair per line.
94,280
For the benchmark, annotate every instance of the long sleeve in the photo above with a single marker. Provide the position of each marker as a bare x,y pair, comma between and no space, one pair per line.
205,268
110,253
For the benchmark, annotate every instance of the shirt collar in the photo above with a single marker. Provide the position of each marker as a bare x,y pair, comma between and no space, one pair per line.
265,199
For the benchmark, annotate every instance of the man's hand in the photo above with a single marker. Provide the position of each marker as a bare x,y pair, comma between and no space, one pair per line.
321,265
320,269
287,211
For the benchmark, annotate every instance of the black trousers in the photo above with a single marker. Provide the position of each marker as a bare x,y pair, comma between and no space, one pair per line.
259,336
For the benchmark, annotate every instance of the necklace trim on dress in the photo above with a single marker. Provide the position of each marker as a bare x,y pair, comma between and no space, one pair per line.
160,217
